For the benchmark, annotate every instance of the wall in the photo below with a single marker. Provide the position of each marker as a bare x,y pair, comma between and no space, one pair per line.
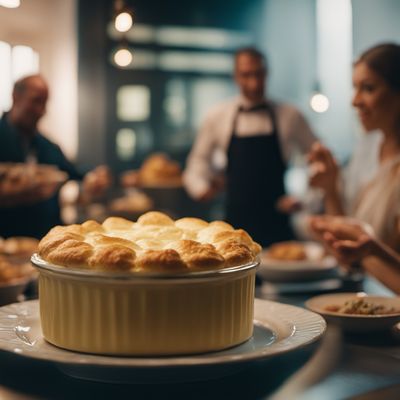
375,22
48,26
334,39
286,34
289,37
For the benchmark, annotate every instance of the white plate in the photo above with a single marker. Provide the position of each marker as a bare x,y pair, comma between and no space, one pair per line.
278,328
316,266
356,323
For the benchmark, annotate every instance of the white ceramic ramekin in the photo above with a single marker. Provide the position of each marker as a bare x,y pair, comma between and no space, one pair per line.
145,314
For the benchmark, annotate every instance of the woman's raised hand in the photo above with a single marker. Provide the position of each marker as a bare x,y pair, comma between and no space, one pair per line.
324,172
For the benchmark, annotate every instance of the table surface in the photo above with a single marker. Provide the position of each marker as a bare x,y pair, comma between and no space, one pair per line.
346,365
340,366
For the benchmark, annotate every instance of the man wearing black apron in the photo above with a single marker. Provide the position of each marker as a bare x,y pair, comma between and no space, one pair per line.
255,182
254,137
255,166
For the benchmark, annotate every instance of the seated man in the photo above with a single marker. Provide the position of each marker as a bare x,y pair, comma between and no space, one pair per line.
20,141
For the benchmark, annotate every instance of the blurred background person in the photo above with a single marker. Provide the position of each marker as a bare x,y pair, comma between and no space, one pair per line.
20,141
254,137
352,243
370,188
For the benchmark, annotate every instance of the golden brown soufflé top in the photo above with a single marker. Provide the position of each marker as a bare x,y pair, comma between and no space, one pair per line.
154,243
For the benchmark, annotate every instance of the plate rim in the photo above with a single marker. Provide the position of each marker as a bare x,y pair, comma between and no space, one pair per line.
311,329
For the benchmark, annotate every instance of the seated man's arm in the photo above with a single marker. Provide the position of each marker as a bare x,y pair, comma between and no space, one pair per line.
65,165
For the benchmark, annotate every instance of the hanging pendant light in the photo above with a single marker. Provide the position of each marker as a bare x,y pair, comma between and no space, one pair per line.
123,57
123,20
319,102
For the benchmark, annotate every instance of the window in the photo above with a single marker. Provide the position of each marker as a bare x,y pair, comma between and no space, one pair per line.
5,77
15,63
133,103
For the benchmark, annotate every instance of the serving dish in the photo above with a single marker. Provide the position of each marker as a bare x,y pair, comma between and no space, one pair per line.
147,313
278,329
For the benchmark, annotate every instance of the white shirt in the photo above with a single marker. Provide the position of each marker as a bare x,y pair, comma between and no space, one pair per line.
372,189
208,155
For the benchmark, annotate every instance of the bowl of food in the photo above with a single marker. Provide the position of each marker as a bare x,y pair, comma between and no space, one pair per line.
159,178
14,279
157,171
19,249
151,287
132,205
357,312
16,271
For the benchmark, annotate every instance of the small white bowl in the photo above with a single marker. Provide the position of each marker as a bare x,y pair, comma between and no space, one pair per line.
355,322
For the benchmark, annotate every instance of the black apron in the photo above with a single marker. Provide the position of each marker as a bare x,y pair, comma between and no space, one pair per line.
255,182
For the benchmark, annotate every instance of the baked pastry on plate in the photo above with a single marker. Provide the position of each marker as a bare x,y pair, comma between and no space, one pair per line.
154,286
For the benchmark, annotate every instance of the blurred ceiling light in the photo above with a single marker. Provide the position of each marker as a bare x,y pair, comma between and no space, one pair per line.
10,3
123,57
319,102
204,61
123,22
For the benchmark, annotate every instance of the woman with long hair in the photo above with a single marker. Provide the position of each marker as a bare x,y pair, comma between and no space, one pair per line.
369,190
